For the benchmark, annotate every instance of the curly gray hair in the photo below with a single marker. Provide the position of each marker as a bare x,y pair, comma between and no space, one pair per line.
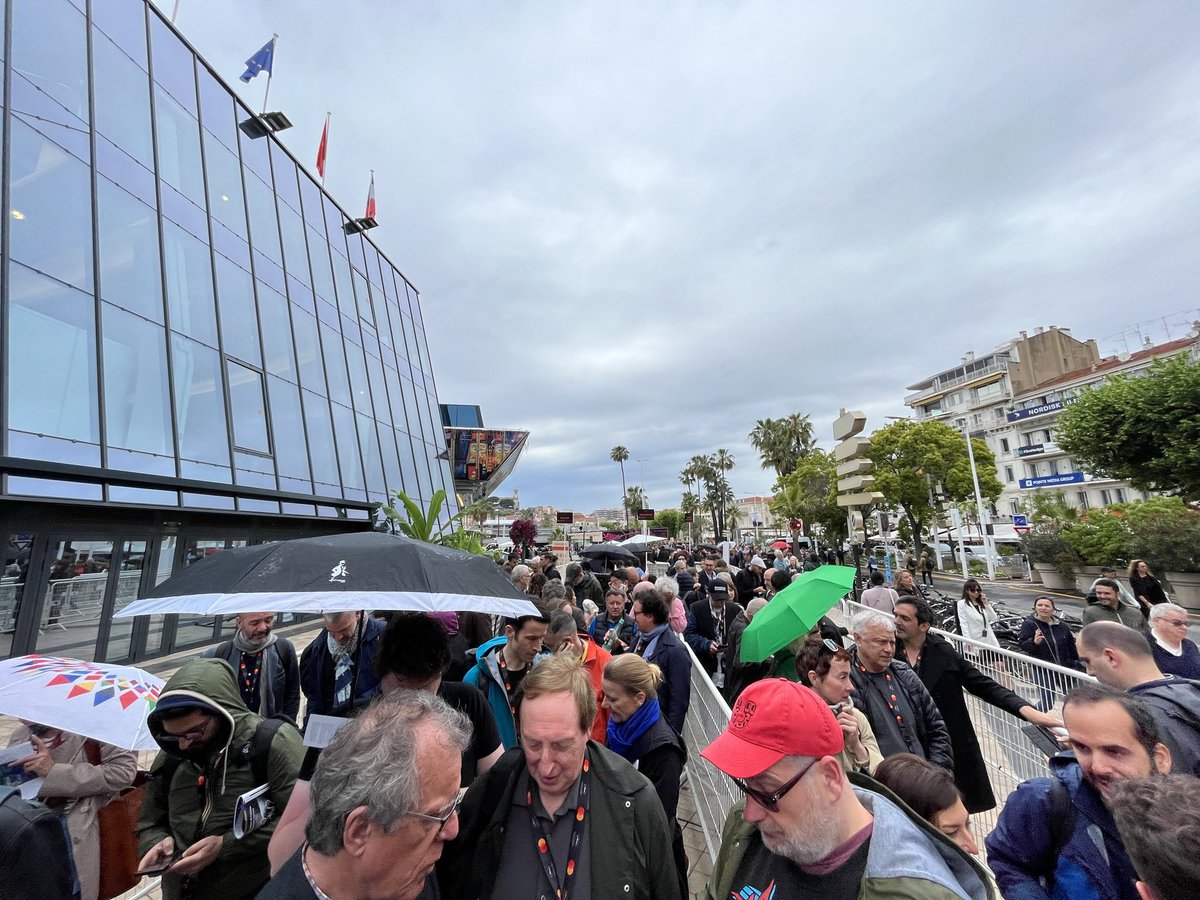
372,763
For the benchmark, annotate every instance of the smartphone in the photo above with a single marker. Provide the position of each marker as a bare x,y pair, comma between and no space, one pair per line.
162,866
837,708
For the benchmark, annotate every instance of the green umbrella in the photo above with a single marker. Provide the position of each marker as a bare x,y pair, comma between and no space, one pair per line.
795,610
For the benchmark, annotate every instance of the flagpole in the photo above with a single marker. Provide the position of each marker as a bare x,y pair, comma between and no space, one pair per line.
175,12
267,92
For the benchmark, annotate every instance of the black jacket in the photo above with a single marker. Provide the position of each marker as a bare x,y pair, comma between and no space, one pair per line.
629,838
745,582
675,692
701,630
660,755
33,846
946,674
740,674
1058,646
931,728
1175,705
285,687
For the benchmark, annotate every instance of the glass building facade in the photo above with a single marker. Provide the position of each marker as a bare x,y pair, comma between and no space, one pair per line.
195,353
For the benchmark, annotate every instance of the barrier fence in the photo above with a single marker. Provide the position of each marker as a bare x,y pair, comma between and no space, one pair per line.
1011,757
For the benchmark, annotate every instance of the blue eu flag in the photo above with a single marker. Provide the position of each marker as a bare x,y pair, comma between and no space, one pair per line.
260,61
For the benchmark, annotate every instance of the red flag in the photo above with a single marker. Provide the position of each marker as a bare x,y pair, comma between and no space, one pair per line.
324,146
371,197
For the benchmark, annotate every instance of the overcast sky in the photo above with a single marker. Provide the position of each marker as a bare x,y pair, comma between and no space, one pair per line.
652,223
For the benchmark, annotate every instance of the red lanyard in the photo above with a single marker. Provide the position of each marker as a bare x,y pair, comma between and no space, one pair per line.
508,689
562,889
889,698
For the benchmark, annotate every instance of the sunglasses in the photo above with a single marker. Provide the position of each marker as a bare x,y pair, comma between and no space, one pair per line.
440,820
770,802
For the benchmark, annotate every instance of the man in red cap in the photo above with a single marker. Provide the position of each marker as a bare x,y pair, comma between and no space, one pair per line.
805,831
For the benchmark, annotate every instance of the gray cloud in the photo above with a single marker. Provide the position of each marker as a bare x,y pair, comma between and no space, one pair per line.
652,224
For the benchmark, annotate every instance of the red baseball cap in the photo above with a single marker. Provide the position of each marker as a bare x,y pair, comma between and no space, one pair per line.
774,718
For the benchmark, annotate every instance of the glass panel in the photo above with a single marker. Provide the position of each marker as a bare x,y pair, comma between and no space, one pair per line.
410,408
125,22
407,465
49,51
189,285
225,185
137,411
335,367
354,244
285,177
124,170
162,570
369,440
122,100
346,433
308,351
199,403
51,358
129,262
335,224
50,219
49,487
363,297
294,249
119,493
391,461
321,272
174,66
358,379
216,110
345,293
310,194
119,646
288,429
277,333
248,408
74,597
263,223
320,441
239,324
16,553
179,148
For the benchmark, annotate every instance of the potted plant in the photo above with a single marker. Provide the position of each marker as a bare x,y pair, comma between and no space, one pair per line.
1054,559
1099,538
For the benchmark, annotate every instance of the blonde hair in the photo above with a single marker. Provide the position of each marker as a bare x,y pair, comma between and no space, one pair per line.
1134,563
634,674
561,675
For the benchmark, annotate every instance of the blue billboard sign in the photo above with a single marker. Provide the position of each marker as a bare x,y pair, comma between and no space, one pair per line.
1052,480
1032,411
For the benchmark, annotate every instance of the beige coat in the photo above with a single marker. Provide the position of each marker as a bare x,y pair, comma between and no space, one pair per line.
86,788
867,736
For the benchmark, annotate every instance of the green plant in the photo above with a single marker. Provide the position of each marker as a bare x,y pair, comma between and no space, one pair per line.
1166,533
422,525
1100,536
1045,544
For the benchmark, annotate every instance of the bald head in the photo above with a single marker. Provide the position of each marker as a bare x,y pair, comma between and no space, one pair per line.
1117,656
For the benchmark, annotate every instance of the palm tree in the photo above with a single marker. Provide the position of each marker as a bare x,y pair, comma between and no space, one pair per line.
634,499
782,443
619,454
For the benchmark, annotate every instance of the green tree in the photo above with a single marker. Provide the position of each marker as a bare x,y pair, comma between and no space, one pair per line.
690,503
909,456
1142,428
634,500
619,454
782,443
670,519
815,500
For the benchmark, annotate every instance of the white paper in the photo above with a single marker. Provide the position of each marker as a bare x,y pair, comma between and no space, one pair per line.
29,790
319,730
15,752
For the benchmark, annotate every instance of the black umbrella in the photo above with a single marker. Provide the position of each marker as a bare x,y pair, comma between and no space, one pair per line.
359,570
609,550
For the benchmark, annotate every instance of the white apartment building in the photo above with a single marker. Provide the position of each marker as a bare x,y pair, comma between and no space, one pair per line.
1030,461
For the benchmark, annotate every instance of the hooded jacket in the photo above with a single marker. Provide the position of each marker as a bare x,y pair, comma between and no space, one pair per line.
1175,705
187,801
486,676
908,858
1090,863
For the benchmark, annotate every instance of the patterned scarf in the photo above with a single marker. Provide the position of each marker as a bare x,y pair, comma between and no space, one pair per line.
343,667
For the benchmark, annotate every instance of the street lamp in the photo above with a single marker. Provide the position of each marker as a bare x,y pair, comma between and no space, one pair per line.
988,547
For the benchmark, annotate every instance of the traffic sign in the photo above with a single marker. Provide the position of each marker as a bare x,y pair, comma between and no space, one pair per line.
1021,529
849,424
1020,521
566,518
645,515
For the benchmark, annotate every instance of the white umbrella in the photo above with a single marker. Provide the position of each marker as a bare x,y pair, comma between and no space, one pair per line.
104,702
642,539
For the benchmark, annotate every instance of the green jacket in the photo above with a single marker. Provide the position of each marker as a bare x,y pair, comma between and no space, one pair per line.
173,802
629,839
908,859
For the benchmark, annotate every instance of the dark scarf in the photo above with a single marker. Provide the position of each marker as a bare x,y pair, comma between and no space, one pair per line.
622,735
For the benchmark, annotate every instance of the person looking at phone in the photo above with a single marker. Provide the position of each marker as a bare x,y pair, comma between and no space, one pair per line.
825,667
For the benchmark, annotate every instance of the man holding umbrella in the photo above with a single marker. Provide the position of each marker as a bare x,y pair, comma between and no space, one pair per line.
268,673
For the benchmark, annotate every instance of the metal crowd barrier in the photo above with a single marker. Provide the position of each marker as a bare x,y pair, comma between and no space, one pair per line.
1009,755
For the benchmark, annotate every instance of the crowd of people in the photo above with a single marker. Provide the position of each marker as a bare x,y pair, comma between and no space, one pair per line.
468,756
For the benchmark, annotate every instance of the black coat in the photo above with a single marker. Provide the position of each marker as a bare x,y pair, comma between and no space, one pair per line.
675,692
745,583
701,630
1148,587
740,674
660,754
1058,646
946,674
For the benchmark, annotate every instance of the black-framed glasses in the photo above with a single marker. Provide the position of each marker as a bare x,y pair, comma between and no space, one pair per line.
770,802
440,820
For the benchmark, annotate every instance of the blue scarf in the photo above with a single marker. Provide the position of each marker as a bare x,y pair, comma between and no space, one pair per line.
649,640
622,735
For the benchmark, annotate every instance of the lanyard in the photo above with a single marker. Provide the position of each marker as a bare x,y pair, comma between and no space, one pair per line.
562,889
889,698
508,690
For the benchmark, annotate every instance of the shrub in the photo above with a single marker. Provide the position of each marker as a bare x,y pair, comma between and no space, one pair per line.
1165,532
1099,537
1045,544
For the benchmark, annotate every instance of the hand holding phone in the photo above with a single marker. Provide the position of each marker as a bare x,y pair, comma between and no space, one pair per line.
161,866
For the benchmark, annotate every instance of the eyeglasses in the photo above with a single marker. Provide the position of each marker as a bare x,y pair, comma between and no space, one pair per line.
191,735
441,820
770,802
974,590
1178,623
